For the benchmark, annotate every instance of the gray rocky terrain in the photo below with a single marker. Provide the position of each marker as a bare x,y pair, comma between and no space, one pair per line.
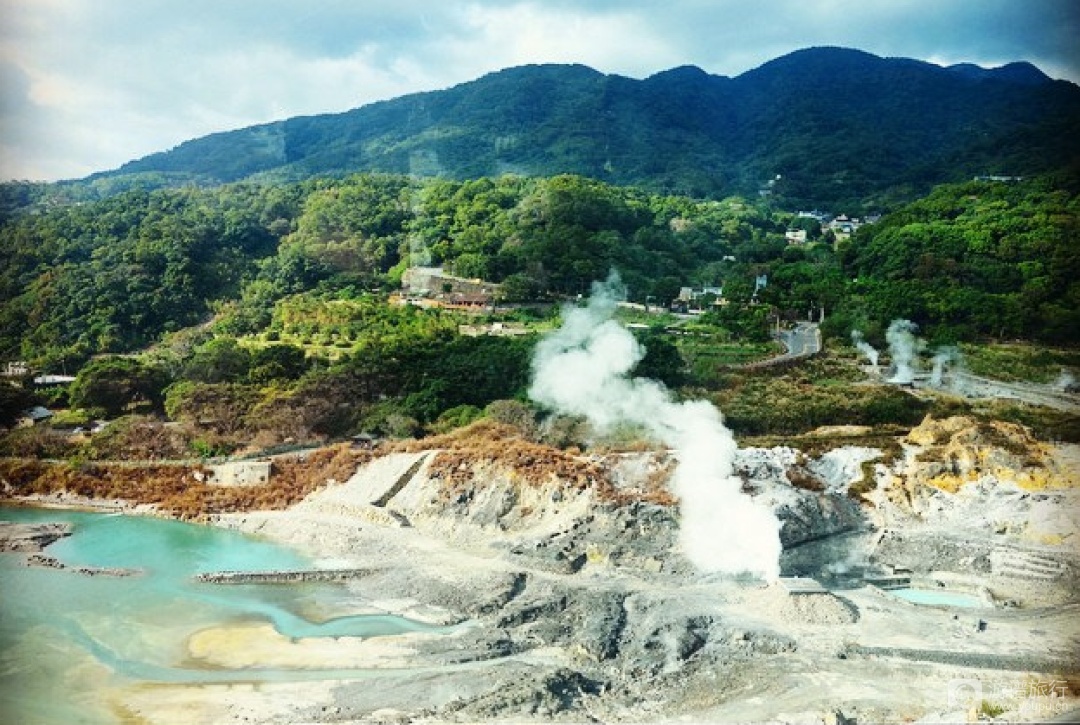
568,602
30,537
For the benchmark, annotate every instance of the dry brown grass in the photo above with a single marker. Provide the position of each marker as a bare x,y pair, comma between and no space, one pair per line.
487,443
801,478
177,490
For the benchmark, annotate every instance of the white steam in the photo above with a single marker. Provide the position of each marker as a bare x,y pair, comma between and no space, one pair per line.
943,359
419,254
903,349
582,369
865,348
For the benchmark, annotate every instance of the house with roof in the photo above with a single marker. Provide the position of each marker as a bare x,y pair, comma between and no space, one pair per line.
34,416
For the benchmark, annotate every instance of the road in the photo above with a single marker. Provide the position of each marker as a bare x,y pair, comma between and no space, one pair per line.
973,386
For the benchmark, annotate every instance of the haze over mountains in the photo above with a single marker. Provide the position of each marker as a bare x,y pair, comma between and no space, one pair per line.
817,126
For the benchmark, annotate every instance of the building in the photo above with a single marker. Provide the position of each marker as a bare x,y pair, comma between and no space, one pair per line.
478,302
434,282
240,473
35,415
843,224
795,236
15,369
48,381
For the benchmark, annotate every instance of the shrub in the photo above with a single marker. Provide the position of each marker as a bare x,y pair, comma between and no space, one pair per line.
457,417
515,414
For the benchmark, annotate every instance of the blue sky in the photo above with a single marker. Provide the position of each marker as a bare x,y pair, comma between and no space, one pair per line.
86,85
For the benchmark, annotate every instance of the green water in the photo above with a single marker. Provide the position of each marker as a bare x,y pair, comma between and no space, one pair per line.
64,635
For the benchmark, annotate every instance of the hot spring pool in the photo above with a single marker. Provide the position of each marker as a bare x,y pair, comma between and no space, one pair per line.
90,631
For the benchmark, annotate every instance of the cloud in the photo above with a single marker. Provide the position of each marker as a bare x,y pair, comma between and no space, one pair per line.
533,33
90,84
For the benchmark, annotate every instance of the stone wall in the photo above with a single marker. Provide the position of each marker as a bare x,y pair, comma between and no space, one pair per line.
240,473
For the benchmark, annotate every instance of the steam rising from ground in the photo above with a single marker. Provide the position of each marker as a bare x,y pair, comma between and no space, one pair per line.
903,349
865,348
944,358
582,369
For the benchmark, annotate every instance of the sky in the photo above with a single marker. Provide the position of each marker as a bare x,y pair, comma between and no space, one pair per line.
86,85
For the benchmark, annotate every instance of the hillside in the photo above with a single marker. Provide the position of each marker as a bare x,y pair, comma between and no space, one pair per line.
840,127
973,260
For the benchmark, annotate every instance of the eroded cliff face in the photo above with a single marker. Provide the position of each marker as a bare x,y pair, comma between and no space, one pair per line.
566,571
976,478
954,452
564,511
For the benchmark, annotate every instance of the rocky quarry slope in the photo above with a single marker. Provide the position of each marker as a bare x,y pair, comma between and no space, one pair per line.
566,597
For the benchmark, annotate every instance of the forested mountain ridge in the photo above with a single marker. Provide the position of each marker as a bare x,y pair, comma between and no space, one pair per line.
839,127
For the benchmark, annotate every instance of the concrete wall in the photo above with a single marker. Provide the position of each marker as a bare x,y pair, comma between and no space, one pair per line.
240,473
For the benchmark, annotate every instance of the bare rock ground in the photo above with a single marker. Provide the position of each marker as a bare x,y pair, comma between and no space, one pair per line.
30,538
565,606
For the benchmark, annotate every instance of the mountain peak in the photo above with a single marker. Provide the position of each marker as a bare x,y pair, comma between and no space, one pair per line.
680,72
839,124
1021,72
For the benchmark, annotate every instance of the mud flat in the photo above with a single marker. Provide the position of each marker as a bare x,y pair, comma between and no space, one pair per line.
31,539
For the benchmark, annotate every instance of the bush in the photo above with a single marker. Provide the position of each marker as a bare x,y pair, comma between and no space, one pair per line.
515,414
37,442
784,407
139,438
457,417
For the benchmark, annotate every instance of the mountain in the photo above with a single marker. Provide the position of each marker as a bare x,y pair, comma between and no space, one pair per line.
819,126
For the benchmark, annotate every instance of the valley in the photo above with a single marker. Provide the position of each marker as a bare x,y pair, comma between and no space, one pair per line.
544,398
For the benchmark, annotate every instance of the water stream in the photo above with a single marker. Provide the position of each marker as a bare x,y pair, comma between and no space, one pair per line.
64,635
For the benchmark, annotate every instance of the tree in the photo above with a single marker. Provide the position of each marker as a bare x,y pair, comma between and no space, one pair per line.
14,400
220,360
519,287
666,289
276,362
221,407
513,413
117,385
662,360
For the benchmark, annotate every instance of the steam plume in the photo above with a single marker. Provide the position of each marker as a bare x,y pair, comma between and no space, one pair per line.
581,369
903,349
943,358
865,348
419,254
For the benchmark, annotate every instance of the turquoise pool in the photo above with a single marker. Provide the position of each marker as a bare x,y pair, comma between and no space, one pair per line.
62,627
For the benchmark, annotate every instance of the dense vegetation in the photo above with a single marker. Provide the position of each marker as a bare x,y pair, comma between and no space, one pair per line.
258,315
976,260
828,127
114,275
291,263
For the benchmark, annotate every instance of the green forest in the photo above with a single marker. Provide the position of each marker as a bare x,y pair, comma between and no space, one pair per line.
261,313
831,127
